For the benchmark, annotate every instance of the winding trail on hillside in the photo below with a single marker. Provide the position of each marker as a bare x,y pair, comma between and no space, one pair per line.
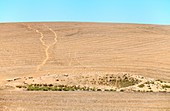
46,51
47,47
55,34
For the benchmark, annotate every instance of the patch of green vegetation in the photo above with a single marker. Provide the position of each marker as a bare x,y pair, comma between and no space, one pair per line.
165,86
46,87
141,85
93,89
126,82
37,88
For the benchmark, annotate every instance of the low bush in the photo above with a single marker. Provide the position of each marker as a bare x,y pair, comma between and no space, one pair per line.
141,85
99,90
106,90
165,86
122,90
112,90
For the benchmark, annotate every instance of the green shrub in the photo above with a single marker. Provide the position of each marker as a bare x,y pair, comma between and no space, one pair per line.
65,89
151,91
122,90
99,90
141,85
152,82
147,82
19,86
112,90
31,88
50,85
106,90
93,89
45,88
165,86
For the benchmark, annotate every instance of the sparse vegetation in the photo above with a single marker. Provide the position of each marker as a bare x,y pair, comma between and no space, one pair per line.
20,86
49,87
112,90
122,90
106,80
151,91
106,90
109,80
45,87
141,85
165,86
120,81
147,82
127,82
99,90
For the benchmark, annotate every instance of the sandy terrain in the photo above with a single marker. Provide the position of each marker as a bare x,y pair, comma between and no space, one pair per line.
78,48
86,54
83,101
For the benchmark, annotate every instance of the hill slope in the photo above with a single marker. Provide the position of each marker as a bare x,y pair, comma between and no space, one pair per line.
35,49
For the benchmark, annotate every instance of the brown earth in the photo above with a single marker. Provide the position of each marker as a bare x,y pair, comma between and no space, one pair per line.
80,48
83,101
47,50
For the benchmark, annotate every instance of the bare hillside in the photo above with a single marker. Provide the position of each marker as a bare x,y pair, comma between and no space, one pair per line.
96,63
78,48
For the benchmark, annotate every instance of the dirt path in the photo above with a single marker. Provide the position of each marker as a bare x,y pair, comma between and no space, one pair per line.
46,51
55,35
47,47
